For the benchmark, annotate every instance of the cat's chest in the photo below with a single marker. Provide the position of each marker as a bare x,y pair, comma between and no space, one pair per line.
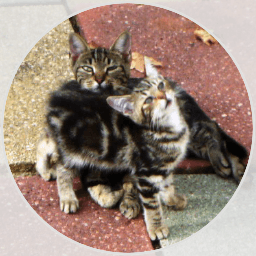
169,148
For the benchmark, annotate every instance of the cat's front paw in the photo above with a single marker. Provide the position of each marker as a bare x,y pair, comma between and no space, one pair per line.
130,208
49,174
104,196
158,233
69,205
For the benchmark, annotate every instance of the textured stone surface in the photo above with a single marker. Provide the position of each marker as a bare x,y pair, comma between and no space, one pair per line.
207,195
206,72
92,225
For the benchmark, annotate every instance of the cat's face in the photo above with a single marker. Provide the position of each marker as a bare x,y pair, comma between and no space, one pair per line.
102,69
153,102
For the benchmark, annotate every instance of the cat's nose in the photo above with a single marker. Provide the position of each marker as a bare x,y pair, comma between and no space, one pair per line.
99,80
161,95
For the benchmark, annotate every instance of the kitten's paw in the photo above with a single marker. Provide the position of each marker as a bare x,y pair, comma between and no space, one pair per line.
104,196
177,201
181,202
130,208
50,174
159,233
69,205
238,170
221,165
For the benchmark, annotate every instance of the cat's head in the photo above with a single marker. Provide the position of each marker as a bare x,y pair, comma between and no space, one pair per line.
101,69
153,102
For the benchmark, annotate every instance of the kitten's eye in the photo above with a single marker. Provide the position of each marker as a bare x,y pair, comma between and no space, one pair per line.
149,100
161,86
112,68
87,69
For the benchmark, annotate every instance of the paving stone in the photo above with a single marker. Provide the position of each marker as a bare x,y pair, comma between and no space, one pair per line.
207,196
92,225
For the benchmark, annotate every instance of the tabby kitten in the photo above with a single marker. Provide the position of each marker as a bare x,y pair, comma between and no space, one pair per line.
97,71
143,135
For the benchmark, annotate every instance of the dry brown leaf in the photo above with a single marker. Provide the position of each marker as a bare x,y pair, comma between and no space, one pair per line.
93,45
205,36
138,62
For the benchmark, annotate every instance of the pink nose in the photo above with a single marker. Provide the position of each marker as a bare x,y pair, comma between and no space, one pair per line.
160,95
99,80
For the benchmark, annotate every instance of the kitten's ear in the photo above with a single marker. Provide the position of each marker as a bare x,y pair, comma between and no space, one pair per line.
151,70
121,104
78,45
123,44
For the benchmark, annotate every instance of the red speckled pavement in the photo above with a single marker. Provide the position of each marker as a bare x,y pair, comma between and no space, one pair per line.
206,72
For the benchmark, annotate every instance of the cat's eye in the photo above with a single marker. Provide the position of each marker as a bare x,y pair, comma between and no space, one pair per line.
111,68
149,100
161,86
87,69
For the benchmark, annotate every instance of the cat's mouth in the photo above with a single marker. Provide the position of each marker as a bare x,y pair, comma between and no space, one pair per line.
168,103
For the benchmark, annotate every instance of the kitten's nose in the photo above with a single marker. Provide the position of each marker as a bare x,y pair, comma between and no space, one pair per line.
161,95
99,78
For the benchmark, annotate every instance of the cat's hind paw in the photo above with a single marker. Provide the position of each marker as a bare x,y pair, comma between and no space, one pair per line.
130,208
104,196
49,174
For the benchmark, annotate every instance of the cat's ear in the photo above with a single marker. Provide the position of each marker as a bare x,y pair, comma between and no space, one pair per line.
122,104
77,45
151,70
123,44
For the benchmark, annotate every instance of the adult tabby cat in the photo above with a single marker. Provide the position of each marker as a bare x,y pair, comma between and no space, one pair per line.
144,135
97,71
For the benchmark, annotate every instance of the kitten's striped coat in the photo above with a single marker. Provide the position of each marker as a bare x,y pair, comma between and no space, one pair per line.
105,72
145,137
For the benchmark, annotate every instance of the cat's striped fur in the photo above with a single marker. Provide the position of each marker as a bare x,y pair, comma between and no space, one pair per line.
97,71
145,137
106,71
101,70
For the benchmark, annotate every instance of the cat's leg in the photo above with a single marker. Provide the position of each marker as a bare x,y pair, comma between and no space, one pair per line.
130,205
68,200
46,157
238,168
169,196
101,192
210,142
152,208
206,143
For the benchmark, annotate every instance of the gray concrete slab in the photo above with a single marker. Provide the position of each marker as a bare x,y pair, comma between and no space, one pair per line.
207,195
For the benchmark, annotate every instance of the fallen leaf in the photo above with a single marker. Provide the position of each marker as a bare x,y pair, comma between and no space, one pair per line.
138,62
93,45
205,36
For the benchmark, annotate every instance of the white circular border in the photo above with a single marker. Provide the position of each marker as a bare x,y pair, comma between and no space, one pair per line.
23,232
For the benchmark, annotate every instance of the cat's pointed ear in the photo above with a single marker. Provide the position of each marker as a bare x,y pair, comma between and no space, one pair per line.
123,44
121,104
151,70
77,45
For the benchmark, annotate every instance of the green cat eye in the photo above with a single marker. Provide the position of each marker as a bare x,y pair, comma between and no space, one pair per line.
112,68
87,69
161,86
149,100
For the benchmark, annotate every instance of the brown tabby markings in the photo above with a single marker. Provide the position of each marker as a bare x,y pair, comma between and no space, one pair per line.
103,71
153,108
